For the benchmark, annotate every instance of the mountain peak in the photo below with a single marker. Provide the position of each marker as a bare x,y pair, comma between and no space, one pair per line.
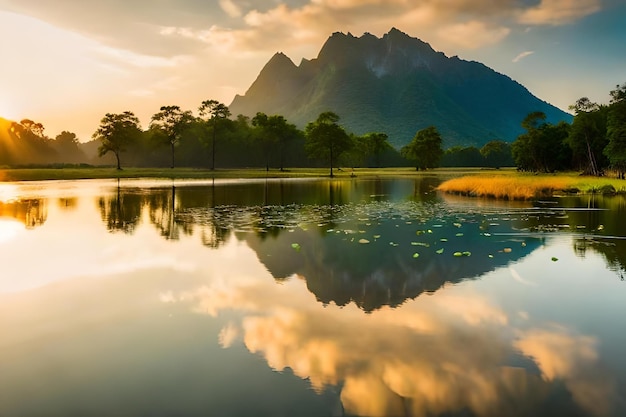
396,84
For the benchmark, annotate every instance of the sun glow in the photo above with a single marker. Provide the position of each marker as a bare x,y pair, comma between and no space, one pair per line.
8,192
9,229
7,111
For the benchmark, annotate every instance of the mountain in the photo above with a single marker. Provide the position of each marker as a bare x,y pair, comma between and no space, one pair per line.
398,85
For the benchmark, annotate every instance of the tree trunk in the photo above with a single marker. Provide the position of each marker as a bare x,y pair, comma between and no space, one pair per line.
213,149
172,147
117,156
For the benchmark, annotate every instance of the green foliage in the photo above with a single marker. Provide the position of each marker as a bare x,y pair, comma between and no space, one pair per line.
275,135
616,130
325,139
542,148
171,121
215,113
587,137
425,149
497,154
116,132
459,156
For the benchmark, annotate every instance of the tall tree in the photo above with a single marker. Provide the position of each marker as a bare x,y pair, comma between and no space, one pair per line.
587,137
425,149
172,122
214,113
616,130
326,139
275,135
116,132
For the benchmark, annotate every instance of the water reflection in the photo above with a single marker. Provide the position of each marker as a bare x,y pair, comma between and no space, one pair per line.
455,354
30,212
310,298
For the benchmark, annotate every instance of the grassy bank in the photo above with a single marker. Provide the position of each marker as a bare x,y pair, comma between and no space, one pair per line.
512,185
41,174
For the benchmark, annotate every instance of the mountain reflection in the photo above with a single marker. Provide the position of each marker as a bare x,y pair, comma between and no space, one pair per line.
454,354
373,243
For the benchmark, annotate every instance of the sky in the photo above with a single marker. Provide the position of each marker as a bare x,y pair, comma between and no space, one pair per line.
66,63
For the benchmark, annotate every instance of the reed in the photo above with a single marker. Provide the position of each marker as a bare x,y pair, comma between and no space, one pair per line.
519,186
511,187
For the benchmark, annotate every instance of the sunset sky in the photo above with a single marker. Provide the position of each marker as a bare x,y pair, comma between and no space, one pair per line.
68,62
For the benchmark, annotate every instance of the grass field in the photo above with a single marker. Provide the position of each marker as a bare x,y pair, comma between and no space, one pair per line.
41,174
513,185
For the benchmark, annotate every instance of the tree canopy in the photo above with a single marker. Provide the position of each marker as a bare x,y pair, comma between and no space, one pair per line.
326,139
171,122
116,132
425,149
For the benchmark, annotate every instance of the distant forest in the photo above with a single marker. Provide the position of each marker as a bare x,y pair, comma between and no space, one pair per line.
593,143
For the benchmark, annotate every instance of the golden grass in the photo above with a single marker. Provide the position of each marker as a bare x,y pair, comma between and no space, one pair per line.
520,186
507,186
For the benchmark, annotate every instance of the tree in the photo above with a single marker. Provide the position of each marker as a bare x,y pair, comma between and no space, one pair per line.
497,153
215,112
325,139
274,134
616,130
171,121
460,156
425,149
587,137
542,147
116,132
376,144
67,145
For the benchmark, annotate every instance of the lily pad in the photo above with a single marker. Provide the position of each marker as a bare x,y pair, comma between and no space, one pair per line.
296,247
364,241
554,259
439,251
416,255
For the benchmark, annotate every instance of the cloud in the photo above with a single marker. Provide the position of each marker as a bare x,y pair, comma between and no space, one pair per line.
230,8
563,355
435,355
522,55
559,12
473,34
255,26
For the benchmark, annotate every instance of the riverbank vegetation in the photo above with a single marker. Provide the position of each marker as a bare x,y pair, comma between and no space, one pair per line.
513,185
594,144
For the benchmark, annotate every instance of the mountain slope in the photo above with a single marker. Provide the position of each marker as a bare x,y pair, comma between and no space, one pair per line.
398,85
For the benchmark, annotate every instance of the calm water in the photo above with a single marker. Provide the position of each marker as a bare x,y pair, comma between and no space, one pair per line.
308,298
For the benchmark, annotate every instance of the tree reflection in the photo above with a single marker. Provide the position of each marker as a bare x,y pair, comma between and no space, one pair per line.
31,212
162,212
121,211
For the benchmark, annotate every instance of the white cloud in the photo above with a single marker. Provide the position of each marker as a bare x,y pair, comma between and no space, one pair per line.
559,12
523,55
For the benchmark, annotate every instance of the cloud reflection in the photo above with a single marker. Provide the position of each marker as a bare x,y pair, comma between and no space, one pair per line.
443,354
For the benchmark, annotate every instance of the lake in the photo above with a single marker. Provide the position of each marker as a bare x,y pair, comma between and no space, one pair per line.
318,297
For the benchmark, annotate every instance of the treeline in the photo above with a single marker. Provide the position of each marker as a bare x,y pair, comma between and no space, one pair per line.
593,143
213,139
